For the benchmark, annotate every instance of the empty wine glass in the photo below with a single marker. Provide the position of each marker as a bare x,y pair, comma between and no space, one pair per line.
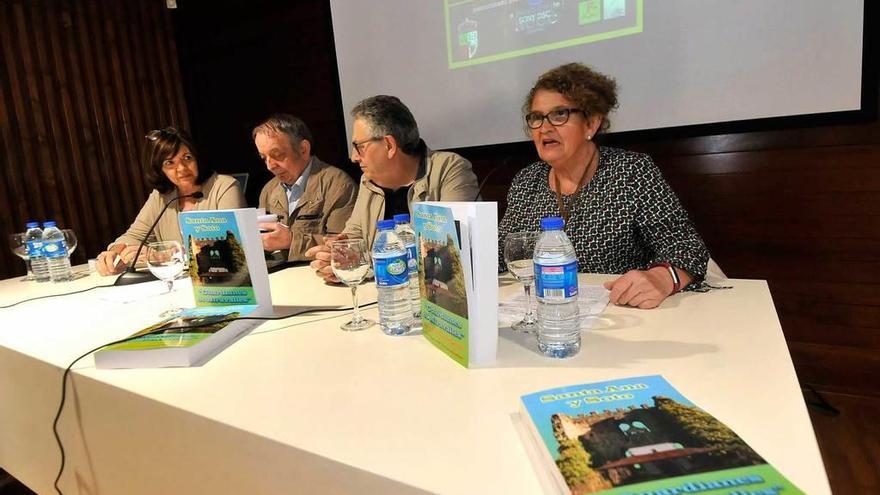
18,244
165,261
519,247
350,262
69,240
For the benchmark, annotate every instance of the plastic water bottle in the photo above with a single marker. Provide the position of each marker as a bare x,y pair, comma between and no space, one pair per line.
407,235
55,249
556,289
392,280
34,239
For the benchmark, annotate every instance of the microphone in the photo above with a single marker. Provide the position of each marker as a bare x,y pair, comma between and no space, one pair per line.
131,276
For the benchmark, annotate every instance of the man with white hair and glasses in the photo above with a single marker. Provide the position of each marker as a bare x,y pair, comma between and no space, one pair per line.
398,169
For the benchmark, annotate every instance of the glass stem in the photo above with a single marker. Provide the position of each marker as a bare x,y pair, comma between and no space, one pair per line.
356,316
530,316
171,305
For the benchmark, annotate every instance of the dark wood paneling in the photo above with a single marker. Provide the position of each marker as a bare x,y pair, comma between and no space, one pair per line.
272,56
849,442
82,82
838,368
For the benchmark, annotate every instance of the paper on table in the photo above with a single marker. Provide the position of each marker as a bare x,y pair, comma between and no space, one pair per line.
592,300
138,292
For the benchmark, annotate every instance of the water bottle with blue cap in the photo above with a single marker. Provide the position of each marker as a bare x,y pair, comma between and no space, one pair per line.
391,267
556,289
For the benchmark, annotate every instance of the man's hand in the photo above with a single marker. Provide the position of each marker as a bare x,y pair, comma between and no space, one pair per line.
641,289
277,237
321,261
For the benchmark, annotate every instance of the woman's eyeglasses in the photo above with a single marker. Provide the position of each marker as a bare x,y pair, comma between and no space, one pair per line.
556,117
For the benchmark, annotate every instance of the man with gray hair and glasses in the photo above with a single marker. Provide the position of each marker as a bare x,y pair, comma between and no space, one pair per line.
398,169
311,198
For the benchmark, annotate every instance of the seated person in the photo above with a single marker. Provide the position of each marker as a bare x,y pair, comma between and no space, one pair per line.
620,214
398,169
172,170
310,197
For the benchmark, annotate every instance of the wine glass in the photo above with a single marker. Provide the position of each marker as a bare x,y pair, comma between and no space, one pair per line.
519,247
350,262
18,244
165,261
69,240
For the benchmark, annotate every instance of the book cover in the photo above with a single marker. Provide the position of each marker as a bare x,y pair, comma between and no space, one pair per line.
193,336
458,278
217,262
442,287
641,436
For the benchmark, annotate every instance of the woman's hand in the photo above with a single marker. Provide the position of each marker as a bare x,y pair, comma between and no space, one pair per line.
110,262
644,289
117,258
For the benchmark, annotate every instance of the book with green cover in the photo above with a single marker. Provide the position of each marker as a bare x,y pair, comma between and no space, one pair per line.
444,297
189,339
226,262
457,246
640,436
229,279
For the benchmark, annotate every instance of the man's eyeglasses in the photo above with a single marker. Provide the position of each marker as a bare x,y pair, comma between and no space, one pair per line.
155,134
556,117
358,147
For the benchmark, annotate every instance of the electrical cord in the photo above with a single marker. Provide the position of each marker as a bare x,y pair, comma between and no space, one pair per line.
160,330
56,295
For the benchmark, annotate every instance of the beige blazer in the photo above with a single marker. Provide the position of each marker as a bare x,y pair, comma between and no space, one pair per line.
221,192
325,205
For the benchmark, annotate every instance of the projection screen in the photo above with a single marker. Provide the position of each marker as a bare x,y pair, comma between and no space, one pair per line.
463,67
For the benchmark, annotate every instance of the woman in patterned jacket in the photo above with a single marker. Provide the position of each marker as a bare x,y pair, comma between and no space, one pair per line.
620,214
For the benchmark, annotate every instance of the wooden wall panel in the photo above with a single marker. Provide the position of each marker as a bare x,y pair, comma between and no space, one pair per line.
82,82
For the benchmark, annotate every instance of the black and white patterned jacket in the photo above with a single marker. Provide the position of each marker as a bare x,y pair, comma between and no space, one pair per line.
627,217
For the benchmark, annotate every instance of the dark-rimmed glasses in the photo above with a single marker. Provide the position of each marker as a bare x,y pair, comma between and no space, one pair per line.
357,147
556,117
155,134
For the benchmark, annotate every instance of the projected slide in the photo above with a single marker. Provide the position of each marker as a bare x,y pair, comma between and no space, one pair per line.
480,31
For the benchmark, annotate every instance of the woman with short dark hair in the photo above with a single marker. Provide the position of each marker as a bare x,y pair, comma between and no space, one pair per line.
172,169
620,214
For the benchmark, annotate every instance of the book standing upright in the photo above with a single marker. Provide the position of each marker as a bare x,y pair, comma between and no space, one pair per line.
458,278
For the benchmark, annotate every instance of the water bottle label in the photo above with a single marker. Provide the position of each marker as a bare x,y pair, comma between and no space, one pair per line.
413,258
35,249
54,249
556,282
391,272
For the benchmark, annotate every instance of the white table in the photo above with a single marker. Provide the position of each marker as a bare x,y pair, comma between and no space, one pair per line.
299,406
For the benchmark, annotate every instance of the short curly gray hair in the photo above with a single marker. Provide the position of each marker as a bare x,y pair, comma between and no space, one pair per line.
388,116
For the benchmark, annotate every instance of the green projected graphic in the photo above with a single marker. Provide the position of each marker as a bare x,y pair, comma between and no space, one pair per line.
481,31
